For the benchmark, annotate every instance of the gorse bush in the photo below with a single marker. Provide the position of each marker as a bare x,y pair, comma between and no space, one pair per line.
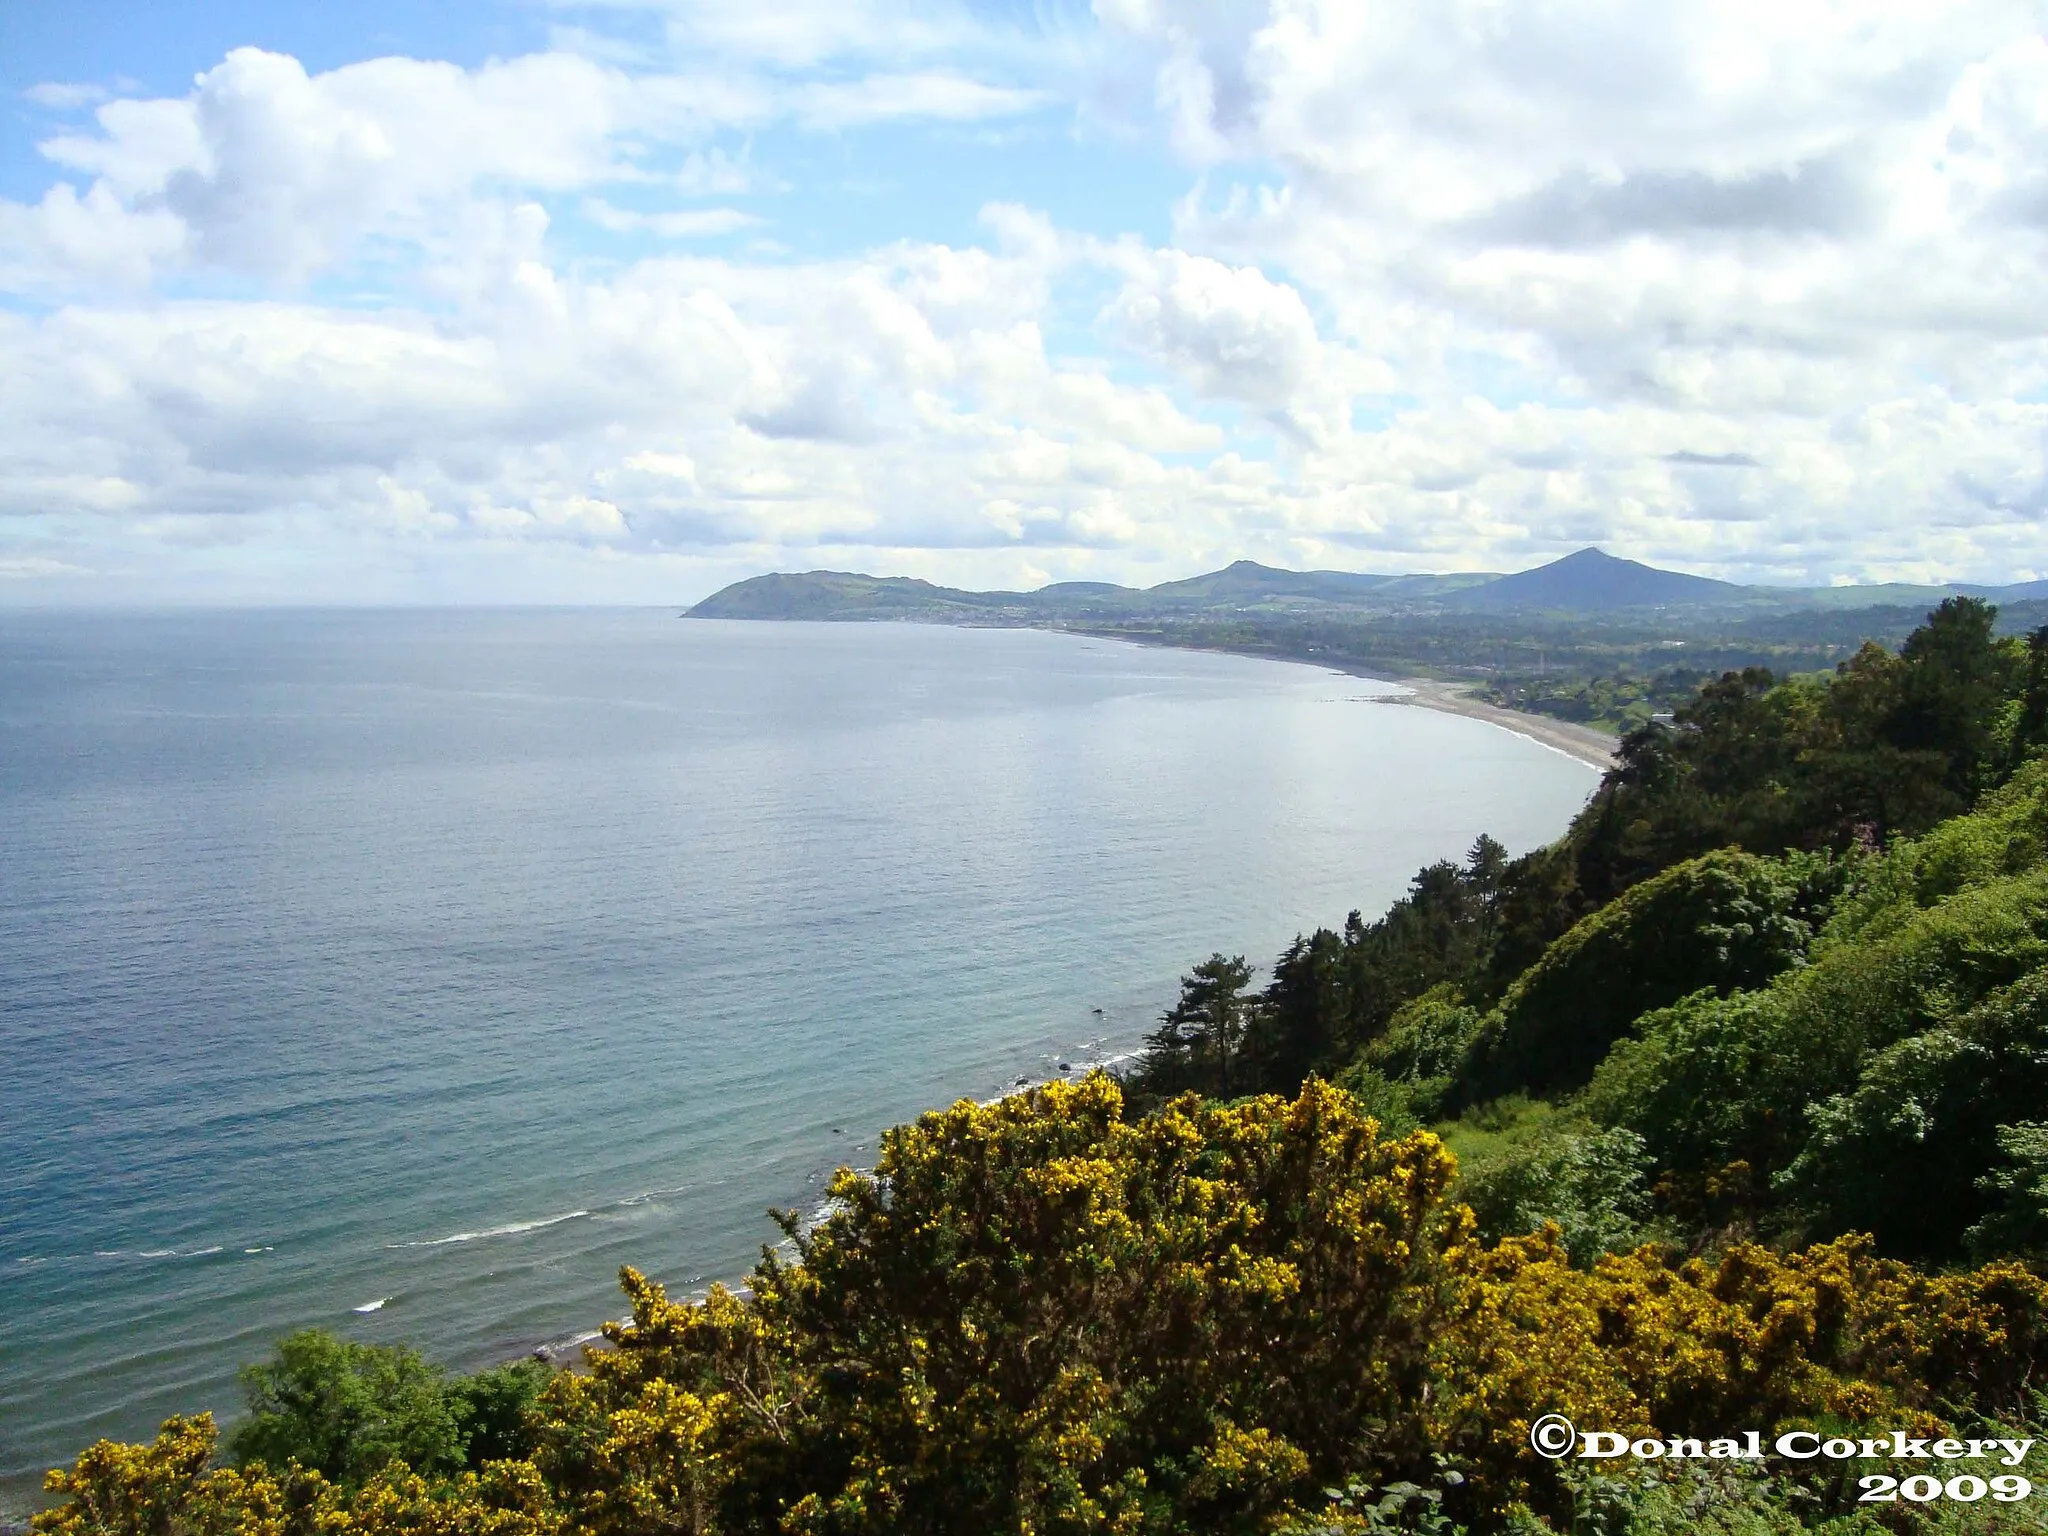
1043,1316
1040,1315
1047,1317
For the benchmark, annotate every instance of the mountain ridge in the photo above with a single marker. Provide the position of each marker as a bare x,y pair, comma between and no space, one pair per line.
1587,581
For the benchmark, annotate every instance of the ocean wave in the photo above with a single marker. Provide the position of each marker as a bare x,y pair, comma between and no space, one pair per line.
628,1202
129,1253
510,1229
574,1341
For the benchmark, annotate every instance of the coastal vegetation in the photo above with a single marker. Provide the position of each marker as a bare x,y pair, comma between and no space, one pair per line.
1726,1112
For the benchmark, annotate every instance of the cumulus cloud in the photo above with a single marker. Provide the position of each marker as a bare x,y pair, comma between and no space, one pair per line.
272,171
1755,289
1233,331
1787,226
269,170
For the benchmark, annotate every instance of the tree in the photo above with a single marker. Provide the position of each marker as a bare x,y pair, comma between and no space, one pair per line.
1724,921
1954,678
347,1410
1302,1009
2031,729
494,1410
1167,1066
1214,1014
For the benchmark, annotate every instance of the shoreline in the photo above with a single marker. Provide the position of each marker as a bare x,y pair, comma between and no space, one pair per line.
1588,745
1585,743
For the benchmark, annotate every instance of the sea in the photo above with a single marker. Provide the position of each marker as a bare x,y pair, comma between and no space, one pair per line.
406,973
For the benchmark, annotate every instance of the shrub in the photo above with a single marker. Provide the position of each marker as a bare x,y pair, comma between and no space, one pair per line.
1587,1182
347,1410
1722,922
494,1410
1038,1316
1714,1082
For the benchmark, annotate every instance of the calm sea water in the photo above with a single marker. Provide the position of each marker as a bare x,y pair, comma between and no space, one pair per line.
442,962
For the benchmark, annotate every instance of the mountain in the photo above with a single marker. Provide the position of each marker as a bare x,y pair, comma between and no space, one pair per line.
1248,581
1593,581
1245,586
1585,583
839,595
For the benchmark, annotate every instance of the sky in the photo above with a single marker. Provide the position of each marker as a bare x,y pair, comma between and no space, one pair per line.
517,301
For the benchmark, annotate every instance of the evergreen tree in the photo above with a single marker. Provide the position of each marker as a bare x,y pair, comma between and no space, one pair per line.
2031,730
1215,1015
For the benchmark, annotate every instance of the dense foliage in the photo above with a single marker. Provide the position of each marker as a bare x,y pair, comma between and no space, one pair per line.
349,1410
1729,1110
1043,1315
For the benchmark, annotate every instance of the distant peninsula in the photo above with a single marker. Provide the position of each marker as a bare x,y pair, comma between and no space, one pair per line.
1590,644
1585,583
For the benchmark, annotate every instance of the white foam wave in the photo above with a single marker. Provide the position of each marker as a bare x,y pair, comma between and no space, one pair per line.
510,1229
565,1351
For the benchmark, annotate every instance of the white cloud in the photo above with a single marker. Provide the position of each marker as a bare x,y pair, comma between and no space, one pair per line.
886,98
672,224
65,96
676,405
265,169
272,171
802,32
1232,330
1755,288
93,238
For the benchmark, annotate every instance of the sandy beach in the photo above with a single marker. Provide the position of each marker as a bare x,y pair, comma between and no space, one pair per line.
1583,742
1586,743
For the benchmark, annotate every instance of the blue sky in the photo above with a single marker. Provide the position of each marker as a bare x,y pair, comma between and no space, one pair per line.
528,302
